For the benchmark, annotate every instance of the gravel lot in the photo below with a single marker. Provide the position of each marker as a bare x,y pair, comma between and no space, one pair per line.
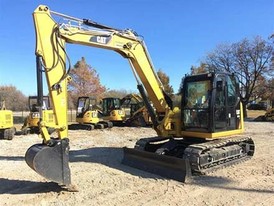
97,172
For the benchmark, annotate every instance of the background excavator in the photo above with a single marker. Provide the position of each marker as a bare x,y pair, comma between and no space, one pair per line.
87,115
268,116
31,122
203,134
129,111
112,110
136,112
7,129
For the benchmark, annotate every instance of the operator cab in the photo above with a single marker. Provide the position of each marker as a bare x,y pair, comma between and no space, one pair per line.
33,103
85,104
109,104
210,103
112,110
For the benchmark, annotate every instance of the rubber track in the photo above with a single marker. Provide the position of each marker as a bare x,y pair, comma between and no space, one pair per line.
193,153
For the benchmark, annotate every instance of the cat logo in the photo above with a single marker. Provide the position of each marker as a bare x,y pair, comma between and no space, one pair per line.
100,39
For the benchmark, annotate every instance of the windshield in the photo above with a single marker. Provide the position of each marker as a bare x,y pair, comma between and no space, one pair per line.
196,104
197,94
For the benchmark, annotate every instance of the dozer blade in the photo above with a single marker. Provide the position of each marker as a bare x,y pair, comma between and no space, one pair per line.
165,166
51,162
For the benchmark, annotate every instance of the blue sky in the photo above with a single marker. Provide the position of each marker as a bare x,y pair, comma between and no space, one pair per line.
178,34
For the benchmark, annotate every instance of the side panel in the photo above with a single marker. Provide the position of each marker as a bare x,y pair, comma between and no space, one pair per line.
6,119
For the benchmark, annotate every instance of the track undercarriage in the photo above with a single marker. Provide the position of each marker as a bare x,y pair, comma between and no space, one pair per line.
186,156
85,126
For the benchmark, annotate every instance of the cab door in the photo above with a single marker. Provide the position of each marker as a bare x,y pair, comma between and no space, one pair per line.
226,108
220,104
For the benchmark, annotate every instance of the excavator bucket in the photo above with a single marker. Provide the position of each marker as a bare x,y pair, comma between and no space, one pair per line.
165,166
51,162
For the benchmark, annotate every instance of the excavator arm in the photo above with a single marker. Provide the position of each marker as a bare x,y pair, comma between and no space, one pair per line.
51,40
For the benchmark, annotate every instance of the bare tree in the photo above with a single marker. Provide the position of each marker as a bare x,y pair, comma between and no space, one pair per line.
14,99
202,68
117,93
249,60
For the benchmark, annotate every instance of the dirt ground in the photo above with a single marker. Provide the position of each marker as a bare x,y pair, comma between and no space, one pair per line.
97,172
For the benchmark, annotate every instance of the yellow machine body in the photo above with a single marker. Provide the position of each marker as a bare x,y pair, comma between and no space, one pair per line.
87,115
136,112
7,129
112,110
116,115
32,121
6,119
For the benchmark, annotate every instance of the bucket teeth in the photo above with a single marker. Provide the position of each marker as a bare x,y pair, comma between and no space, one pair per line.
51,162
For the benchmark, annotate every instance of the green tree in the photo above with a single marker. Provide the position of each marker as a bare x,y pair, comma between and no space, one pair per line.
85,82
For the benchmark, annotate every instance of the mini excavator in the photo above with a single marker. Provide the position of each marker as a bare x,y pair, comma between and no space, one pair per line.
202,135
31,123
87,115
112,111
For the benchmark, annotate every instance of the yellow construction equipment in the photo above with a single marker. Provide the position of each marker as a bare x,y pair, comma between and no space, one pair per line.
203,134
136,113
112,111
268,116
87,115
31,123
139,118
7,129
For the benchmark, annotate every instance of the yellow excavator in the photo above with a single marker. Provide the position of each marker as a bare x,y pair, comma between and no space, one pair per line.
31,122
136,112
112,111
203,134
87,115
267,116
139,118
131,103
7,129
